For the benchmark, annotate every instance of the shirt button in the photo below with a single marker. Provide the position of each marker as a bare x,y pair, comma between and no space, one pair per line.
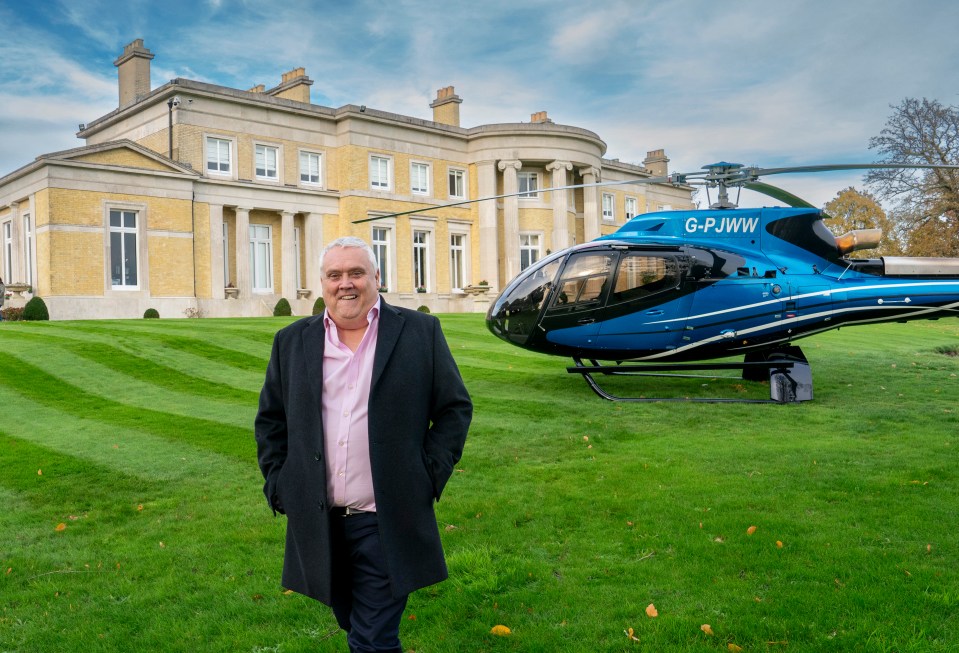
346,413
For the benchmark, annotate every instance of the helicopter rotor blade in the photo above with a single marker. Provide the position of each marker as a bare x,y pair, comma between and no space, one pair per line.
776,193
761,172
672,179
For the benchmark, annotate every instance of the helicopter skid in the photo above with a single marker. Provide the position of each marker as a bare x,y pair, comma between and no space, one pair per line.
790,378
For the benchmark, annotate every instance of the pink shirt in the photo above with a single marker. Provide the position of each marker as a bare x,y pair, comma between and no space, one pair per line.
346,396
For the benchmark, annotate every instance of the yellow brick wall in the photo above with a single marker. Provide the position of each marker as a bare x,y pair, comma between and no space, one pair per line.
171,269
123,157
77,261
201,250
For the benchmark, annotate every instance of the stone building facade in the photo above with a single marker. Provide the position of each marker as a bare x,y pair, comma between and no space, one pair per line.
193,197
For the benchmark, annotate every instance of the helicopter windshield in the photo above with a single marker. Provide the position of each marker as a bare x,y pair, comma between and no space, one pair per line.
514,314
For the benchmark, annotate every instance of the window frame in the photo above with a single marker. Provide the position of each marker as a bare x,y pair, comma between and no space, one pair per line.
626,212
451,175
609,208
388,271
277,162
6,229
319,168
464,247
28,249
528,247
122,230
268,264
529,176
230,142
427,171
388,185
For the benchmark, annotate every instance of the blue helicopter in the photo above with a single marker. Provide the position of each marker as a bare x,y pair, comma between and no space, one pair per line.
673,287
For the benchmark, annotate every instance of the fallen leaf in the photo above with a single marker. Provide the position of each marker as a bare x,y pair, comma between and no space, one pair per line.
706,628
60,527
651,611
9,569
719,539
450,527
750,530
585,438
500,630
39,472
412,617
779,544
288,592
140,507
257,597
162,545
732,647
928,548
629,633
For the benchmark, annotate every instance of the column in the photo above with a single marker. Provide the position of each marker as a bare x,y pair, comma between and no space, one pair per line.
590,204
489,243
16,239
288,260
510,218
218,279
312,246
560,239
242,244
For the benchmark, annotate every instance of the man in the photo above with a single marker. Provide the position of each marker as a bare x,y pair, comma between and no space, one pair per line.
362,417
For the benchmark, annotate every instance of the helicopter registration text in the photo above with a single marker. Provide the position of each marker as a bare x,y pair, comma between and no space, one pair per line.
726,225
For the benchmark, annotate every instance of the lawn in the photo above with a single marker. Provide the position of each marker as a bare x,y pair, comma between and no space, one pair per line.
134,518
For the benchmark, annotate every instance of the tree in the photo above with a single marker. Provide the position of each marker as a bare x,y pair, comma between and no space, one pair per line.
926,201
852,210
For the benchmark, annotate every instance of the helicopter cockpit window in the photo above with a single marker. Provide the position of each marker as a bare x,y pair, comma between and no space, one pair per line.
584,279
641,275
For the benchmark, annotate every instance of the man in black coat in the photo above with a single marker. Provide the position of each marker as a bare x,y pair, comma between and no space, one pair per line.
362,417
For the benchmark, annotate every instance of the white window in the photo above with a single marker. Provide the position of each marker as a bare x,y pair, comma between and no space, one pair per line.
311,169
28,249
266,162
261,257
528,250
226,254
381,177
608,212
457,183
298,282
528,184
458,244
420,178
124,247
665,207
421,260
631,209
380,240
219,155
8,251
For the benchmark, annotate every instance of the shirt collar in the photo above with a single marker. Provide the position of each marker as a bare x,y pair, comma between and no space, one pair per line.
372,315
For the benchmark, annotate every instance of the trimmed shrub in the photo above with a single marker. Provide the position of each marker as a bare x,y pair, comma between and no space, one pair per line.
282,308
36,310
319,306
151,313
424,309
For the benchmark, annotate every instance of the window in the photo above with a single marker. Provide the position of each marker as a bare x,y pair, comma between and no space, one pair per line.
457,261
641,275
528,250
608,212
380,239
420,178
261,257
380,177
218,155
8,251
457,183
27,250
123,250
421,260
528,184
584,281
226,254
265,162
310,168
631,205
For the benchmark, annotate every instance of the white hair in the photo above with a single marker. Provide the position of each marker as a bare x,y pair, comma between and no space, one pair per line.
351,241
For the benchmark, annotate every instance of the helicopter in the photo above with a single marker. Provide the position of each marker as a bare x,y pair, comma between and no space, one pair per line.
672,287
670,291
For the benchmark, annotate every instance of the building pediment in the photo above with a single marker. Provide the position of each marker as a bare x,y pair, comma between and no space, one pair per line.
123,154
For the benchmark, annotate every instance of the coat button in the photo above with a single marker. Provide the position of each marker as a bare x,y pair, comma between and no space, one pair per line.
321,505
317,455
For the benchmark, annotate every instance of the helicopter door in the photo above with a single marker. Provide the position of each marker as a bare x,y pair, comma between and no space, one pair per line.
646,308
572,318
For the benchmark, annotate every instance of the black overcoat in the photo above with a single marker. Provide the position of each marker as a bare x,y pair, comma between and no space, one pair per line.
419,414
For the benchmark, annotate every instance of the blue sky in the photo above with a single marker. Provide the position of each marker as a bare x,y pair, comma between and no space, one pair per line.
768,82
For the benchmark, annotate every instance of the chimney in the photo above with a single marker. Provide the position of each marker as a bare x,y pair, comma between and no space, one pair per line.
539,116
294,86
446,107
259,88
133,70
657,162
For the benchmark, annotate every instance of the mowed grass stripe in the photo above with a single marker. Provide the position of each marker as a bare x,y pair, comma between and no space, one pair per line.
129,366
36,384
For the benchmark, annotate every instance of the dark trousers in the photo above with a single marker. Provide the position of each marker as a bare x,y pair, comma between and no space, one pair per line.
363,603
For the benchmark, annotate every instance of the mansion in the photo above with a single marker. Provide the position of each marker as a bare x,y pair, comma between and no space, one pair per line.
194,198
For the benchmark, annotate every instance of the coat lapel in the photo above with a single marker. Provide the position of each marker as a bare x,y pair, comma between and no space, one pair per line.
314,341
391,324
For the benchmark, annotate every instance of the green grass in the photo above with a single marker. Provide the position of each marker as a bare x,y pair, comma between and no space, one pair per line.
566,518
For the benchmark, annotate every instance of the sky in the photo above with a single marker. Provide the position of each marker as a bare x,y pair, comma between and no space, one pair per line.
760,82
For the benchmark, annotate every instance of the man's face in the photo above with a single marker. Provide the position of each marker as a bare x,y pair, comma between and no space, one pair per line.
350,286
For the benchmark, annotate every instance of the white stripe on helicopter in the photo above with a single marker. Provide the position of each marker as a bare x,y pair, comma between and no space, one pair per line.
823,293
920,310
